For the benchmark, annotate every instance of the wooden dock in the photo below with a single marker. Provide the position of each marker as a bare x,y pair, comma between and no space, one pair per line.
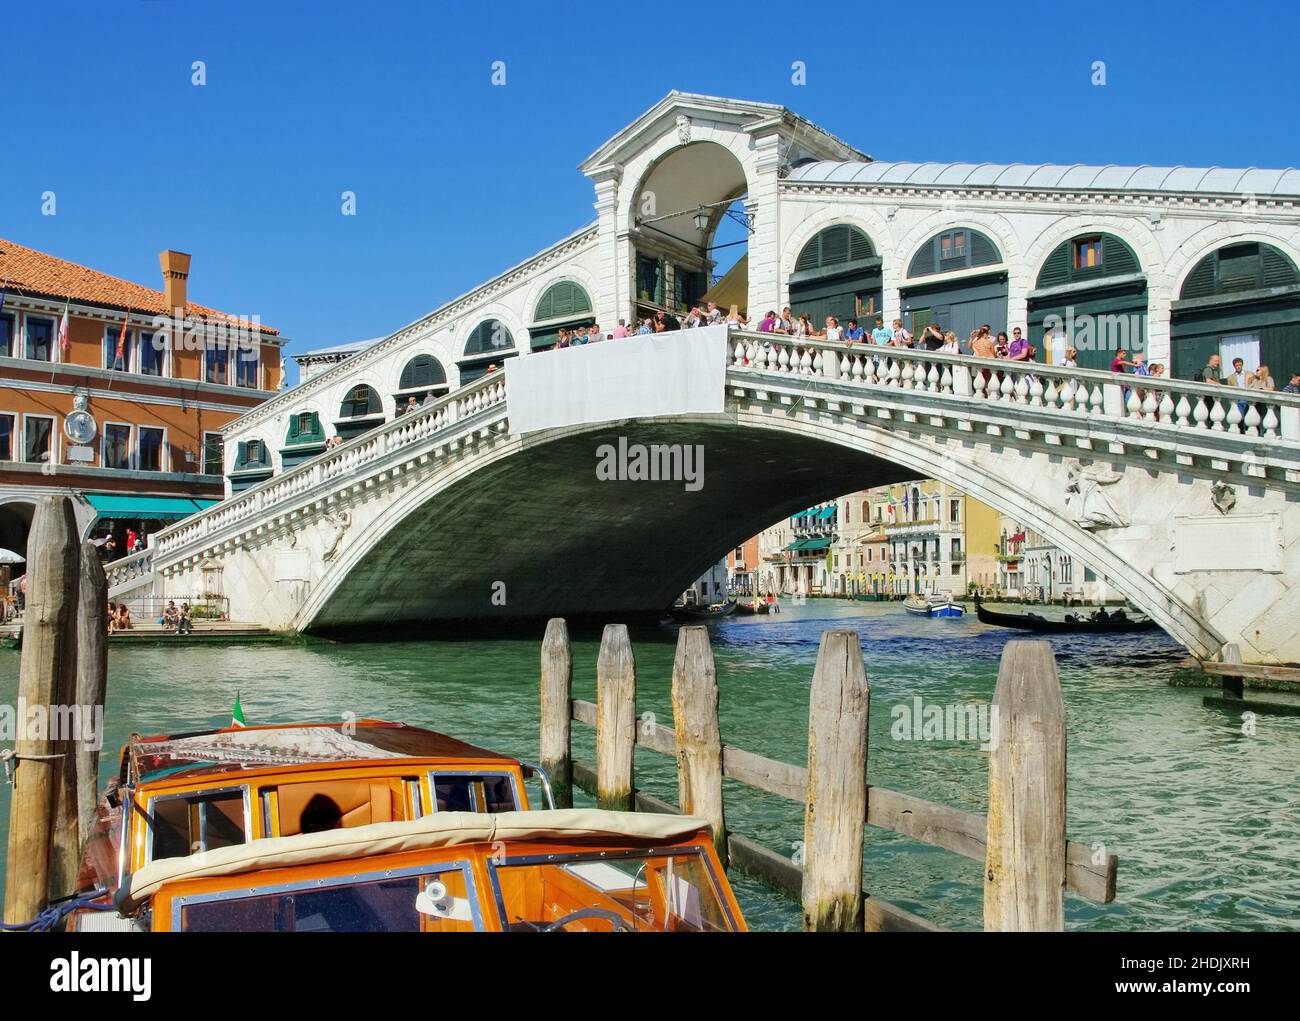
1029,863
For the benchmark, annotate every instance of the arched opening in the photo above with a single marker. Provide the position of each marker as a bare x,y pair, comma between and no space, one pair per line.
304,438
690,234
490,343
1091,295
15,527
563,306
960,305
837,273
360,410
1239,301
422,378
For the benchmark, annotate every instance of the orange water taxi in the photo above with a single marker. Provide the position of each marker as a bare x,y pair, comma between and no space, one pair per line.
376,826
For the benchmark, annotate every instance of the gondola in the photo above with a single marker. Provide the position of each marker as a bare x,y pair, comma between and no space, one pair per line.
1079,625
682,612
756,605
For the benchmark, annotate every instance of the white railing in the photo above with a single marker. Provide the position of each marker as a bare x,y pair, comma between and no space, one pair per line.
409,430
1083,392
129,568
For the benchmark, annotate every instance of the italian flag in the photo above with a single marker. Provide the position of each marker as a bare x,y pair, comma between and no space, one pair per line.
63,329
237,714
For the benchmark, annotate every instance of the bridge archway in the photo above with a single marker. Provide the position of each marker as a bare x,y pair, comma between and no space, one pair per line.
636,545
682,209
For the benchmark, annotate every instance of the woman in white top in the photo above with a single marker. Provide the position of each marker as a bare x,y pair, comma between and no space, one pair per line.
951,345
735,320
803,326
834,331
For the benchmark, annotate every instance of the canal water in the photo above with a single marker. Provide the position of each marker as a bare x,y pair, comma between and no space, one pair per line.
1204,817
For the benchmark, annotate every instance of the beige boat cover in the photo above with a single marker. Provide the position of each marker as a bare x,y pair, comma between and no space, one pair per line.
441,829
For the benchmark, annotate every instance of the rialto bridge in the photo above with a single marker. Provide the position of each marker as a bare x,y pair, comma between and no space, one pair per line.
490,502
1185,505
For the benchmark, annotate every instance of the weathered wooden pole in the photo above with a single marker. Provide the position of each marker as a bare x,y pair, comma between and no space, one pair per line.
836,810
557,711
699,738
1024,876
92,681
48,660
615,719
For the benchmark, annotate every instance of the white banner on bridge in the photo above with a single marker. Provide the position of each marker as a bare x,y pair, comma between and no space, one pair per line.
678,373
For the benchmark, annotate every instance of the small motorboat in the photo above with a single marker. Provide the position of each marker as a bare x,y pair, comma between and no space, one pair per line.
374,826
1099,622
697,612
933,605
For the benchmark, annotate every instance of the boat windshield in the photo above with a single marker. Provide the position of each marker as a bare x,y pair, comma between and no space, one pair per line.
610,892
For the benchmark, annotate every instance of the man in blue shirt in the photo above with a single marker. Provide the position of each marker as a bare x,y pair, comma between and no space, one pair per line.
880,335
854,333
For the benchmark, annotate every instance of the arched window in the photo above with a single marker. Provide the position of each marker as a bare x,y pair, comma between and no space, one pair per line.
959,248
489,344
837,273
563,306
490,337
562,300
1088,257
360,401
836,248
1249,266
421,376
423,372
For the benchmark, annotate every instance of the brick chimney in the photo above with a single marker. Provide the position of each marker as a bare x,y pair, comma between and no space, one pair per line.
175,271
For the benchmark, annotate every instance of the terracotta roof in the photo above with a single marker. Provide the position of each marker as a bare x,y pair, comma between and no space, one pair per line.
27,271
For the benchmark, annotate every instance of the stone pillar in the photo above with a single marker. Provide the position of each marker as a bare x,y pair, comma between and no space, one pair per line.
765,241
609,301
1159,327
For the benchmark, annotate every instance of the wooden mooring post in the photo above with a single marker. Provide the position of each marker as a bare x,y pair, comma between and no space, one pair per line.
1024,875
555,749
835,811
699,737
1028,862
92,680
39,829
615,719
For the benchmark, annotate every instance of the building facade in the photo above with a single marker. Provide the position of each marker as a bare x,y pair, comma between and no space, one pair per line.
1178,262
1031,566
121,408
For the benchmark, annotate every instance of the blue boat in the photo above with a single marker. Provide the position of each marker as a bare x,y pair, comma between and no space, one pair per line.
933,605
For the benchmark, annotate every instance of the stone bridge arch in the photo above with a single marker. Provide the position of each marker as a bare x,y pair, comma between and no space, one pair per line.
390,564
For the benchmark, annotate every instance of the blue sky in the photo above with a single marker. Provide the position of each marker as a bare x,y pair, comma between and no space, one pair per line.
457,179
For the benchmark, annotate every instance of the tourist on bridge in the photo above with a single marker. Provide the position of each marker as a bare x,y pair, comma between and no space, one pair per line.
932,338
1239,376
1260,379
880,335
715,314
785,322
951,345
1294,386
620,331
767,323
646,327
900,336
734,320
1019,350
1212,373
803,326
982,344
834,331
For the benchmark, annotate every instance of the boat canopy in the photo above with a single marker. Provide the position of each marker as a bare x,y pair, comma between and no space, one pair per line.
441,829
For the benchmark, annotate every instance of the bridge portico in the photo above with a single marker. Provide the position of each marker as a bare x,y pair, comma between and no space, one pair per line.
1182,500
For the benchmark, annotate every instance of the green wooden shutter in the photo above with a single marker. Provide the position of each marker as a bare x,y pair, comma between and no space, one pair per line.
1200,282
1117,259
1056,270
1279,271
293,427
983,251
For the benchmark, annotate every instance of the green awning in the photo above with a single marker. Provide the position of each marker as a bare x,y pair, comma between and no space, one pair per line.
826,513
171,508
815,544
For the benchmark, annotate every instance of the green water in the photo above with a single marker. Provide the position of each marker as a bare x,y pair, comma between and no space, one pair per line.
1205,819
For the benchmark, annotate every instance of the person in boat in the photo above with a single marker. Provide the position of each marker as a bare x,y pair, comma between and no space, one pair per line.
1101,616
1119,616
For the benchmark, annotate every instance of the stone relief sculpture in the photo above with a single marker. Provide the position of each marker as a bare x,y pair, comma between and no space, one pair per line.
340,523
1223,496
683,128
1088,502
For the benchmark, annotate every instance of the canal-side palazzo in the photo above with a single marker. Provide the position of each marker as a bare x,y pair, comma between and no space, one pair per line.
1177,262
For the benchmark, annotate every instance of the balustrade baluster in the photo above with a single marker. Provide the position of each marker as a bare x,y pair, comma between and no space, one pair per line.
1270,421
1217,415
